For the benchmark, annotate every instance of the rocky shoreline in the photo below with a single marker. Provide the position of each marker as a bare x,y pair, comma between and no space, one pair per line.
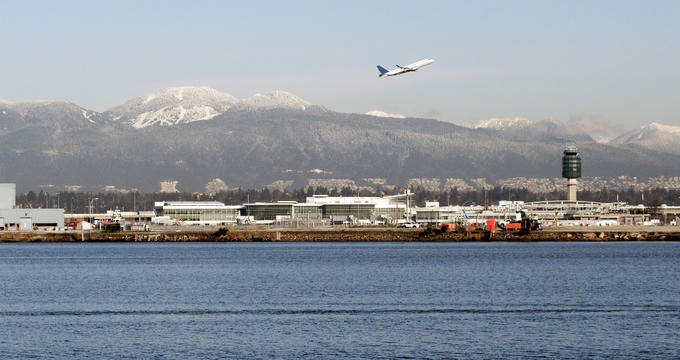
347,235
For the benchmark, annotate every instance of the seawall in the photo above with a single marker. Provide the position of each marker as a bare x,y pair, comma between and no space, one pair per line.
350,234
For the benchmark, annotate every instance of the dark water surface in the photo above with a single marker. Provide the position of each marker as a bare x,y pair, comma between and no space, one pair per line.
340,300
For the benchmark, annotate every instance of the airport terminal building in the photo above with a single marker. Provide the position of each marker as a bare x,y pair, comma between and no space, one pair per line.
195,213
318,208
396,209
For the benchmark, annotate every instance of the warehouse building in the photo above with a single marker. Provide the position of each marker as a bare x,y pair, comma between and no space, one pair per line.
20,219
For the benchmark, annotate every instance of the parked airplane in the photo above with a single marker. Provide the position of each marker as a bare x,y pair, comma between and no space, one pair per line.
404,69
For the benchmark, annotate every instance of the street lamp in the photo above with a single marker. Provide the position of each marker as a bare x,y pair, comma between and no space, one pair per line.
91,201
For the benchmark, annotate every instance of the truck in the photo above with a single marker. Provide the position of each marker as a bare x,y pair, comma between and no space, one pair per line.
524,225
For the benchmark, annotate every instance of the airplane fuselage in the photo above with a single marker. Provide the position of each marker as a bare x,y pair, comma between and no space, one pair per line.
404,69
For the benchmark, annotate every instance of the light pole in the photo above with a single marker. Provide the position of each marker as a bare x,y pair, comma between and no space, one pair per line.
91,201
82,227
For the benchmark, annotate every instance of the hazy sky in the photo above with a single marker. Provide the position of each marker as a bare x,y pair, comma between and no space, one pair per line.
610,63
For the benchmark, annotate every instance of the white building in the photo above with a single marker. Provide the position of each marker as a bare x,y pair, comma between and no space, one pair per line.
195,213
13,218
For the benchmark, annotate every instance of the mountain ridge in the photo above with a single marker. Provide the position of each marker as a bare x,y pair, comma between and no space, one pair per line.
180,105
659,137
280,140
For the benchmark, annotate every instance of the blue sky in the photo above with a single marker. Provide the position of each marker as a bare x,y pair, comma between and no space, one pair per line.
614,62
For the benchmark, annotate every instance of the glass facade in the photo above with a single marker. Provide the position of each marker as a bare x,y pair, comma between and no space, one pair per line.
206,214
429,215
358,211
198,212
390,212
307,212
268,211
571,164
402,199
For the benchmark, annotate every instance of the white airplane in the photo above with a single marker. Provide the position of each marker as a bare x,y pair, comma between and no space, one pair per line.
404,69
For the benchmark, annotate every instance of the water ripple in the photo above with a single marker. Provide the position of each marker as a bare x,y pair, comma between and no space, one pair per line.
371,311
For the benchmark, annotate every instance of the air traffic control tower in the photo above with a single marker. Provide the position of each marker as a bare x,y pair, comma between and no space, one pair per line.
571,169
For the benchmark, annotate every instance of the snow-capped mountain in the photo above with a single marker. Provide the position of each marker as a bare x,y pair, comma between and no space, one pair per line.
51,114
272,100
654,136
279,138
379,113
499,124
173,106
522,128
188,104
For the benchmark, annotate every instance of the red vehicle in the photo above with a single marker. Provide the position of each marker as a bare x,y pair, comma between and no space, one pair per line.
71,224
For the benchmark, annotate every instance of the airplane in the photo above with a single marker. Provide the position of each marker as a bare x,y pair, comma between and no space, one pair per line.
404,69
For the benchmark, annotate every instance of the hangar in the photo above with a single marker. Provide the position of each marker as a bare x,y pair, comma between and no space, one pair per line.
22,219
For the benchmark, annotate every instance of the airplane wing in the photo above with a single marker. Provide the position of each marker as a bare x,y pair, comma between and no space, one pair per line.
407,67
404,69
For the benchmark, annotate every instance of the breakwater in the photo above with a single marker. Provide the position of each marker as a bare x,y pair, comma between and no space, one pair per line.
350,234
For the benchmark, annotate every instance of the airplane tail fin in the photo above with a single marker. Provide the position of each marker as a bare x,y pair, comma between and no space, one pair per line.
382,70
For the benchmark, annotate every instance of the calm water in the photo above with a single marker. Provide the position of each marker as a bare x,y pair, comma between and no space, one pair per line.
340,300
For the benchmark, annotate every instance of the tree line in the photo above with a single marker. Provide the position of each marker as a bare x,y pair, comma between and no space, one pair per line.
81,202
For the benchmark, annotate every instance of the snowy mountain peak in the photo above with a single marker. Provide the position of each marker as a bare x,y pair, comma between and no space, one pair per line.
46,106
498,123
173,106
649,132
274,99
655,136
379,113
664,128
52,113
546,129
192,93
182,105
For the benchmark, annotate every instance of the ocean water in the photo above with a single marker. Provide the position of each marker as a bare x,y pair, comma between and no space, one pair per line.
340,301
